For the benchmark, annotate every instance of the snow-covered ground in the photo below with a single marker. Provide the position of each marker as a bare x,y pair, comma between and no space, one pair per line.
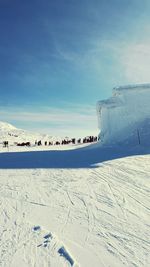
83,207
79,205
13,135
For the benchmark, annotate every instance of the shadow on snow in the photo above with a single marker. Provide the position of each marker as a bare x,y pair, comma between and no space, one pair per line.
87,157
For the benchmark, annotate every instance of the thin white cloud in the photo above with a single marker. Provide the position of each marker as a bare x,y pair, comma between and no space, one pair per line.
135,61
58,121
50,115
131,59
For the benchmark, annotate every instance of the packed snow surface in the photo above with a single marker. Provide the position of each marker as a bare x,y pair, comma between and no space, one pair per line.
119,117
83,207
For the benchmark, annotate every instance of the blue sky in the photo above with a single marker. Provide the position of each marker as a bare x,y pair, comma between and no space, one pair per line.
58,58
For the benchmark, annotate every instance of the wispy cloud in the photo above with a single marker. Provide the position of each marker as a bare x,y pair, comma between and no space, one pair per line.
80,121
130,59
135,61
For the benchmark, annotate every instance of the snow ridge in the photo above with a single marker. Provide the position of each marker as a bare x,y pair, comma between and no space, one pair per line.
6,126
132,86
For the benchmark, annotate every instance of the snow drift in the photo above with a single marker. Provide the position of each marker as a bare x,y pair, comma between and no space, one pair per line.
125,115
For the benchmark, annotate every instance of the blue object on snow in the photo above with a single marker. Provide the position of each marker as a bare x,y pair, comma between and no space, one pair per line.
36,228
63,252
48,236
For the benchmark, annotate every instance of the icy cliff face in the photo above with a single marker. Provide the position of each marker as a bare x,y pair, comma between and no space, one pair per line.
120,116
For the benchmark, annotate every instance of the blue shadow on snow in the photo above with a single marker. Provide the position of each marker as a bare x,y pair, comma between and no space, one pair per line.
87,157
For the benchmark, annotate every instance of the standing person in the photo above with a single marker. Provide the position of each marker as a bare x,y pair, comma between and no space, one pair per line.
5,143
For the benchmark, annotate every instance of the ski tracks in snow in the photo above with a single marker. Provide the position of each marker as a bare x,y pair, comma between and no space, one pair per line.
127,193
103,211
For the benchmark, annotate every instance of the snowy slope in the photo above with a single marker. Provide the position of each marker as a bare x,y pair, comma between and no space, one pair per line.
84,207
12,134
119,116
4,126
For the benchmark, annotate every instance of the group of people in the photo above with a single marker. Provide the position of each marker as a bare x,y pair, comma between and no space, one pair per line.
24,144
67,141
90,139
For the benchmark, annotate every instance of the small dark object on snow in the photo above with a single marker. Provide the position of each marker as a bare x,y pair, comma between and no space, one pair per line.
63,252
48,236
46,241
36,228
39,246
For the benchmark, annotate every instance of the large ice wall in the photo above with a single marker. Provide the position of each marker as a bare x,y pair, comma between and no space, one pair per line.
120,115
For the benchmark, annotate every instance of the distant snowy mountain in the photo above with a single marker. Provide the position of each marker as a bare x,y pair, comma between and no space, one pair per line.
6,126
126,115
12,134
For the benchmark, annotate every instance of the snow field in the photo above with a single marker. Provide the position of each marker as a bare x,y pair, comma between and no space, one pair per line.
97,217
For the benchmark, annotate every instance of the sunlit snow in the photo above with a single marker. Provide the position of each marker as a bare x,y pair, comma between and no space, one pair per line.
77,205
